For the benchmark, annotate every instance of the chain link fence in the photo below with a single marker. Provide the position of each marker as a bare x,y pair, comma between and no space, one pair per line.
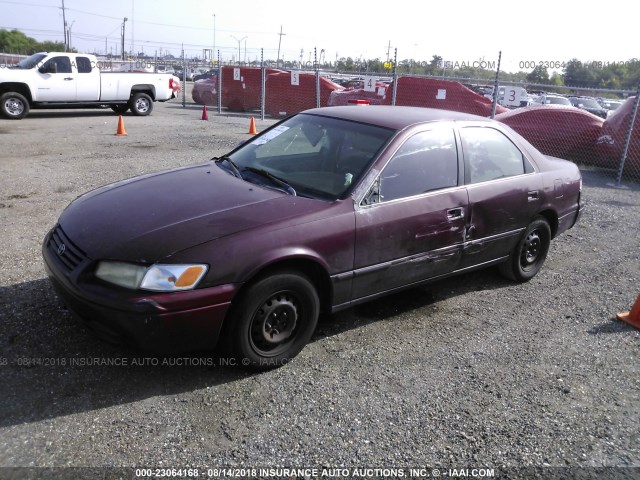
592,127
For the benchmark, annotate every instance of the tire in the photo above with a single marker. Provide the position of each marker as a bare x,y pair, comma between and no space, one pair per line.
14,106
259,342
141,104
119,109
527,258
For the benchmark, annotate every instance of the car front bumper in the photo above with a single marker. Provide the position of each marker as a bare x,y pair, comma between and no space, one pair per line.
159,322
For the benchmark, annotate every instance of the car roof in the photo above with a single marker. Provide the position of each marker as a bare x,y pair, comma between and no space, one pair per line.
394,117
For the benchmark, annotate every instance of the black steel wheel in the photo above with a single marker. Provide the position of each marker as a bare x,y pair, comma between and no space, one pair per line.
14,106
529,255
274,319
141,104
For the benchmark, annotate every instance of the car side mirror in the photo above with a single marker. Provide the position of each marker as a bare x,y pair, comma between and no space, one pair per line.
373,196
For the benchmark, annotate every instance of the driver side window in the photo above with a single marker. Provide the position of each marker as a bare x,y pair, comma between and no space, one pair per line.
62,65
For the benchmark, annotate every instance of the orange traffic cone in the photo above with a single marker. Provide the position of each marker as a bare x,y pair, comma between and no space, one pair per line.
204,113
121,132
252,127
632,317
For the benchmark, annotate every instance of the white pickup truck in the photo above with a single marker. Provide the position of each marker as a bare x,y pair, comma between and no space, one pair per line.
73,80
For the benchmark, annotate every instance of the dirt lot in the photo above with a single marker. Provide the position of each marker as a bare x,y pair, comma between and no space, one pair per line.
468,373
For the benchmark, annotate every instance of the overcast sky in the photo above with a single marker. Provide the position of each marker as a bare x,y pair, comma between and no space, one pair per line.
459,31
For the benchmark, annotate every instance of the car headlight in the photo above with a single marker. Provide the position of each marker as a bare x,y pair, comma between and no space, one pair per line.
159,277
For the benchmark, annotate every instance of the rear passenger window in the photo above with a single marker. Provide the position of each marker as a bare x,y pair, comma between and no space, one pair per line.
425,162
84,65
489,155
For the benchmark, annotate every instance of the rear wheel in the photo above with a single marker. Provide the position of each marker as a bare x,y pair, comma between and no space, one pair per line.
141,104
14,105
527,258
274,320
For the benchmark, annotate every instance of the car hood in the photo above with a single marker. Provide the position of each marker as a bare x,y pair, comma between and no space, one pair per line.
148,218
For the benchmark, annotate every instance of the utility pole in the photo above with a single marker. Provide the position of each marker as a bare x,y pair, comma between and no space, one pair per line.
123,24
279,43
64,21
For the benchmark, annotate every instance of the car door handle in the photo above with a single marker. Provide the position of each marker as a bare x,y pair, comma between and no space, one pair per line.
533,196
454,213
68,78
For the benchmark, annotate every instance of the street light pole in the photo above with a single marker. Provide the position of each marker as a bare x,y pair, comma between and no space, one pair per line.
213,51
123,23
239,42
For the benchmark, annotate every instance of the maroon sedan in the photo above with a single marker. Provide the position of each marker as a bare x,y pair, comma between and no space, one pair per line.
326,209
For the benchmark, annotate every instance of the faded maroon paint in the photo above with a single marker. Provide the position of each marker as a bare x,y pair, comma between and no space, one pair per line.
355,252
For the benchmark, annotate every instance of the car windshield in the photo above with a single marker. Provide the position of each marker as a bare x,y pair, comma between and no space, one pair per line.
31,61
316,156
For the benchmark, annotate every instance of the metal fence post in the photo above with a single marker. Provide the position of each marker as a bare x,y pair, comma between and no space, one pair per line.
263,84
394,93
496,87
317,67
219,84
184,80
627,141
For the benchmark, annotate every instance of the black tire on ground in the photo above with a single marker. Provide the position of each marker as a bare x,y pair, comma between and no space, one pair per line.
273,320
141,104
527,258
119,109
14,105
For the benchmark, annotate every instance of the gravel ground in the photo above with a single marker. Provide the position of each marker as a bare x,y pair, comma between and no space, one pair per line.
468,373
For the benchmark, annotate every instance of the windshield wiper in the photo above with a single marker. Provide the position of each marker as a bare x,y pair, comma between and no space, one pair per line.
278,181
234,168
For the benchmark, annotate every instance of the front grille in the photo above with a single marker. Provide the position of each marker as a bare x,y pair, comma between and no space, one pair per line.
64,250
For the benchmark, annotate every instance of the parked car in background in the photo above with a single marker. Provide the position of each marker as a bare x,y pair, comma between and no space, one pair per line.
590,105
610,105
558,130
552,99
165,69
179,72
204,74
613,138
326,209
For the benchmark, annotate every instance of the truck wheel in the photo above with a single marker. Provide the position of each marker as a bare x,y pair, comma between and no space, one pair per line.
120,109
14,106
141,104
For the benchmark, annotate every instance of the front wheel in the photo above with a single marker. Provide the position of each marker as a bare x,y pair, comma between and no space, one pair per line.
527,258
14,106
141,104
274,320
